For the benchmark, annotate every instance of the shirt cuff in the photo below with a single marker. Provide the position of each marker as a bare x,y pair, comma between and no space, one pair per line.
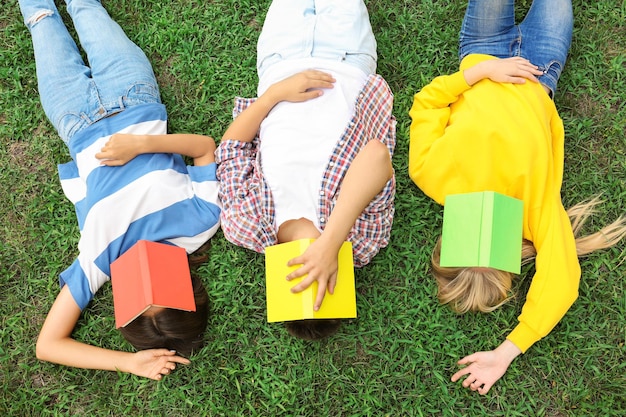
523,337
230,148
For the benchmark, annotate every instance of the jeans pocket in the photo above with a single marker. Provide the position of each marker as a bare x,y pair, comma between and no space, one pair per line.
69,124
141,93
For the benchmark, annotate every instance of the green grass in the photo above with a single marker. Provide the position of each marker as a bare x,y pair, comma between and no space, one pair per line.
398,356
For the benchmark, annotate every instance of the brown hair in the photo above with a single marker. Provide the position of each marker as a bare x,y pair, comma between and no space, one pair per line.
485,289
170,328
315,329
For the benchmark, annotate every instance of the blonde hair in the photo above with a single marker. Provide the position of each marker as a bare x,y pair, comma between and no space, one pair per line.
485,289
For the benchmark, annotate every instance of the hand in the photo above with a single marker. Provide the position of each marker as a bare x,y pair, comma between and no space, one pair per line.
154,363
303,86
515,70
120,148
320,263
485,368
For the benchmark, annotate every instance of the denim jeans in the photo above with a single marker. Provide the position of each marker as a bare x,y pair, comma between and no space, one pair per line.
329,29
543,37
75,95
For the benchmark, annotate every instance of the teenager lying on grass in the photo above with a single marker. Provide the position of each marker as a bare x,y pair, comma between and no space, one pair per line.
493,126
127,182
311,156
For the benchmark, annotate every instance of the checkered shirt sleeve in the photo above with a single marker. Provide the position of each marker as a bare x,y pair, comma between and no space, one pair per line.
247,215
373,120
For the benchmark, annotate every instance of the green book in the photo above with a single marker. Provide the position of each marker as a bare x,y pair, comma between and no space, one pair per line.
482,229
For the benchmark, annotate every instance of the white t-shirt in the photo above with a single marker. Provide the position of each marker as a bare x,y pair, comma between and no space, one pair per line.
297,139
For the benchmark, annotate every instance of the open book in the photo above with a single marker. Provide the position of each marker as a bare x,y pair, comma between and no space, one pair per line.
150,274
482,229
283,305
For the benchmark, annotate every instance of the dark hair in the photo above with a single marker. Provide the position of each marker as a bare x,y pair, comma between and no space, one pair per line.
182,331
315,329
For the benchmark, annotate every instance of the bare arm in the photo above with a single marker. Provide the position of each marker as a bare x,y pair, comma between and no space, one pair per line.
299,87
123,147
369,172
56,345
514,70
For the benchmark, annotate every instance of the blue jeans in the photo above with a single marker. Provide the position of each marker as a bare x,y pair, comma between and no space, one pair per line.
543,37
75,95
329,29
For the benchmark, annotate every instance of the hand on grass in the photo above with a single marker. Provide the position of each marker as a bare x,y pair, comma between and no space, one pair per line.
119,149
515,70
485,368
154,363
320,262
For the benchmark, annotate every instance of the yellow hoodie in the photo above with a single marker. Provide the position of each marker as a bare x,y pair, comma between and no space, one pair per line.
506,138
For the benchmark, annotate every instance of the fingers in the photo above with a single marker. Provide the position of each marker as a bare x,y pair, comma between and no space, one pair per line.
166,370
472,382
178,359
169,360
295,261
525,70
332,282
111,163
320,76
302,285
321,291
484,389
468,359
459,374
172,357
314,79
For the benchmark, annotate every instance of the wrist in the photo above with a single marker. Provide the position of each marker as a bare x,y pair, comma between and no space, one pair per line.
475,73
270,98
124,362
508,350
142,144
331,241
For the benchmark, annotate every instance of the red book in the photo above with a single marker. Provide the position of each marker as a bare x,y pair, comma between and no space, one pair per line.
150,274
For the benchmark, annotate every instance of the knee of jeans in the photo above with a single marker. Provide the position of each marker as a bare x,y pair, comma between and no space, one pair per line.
38,16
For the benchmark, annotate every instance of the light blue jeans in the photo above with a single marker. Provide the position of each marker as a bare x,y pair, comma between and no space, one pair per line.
543,37
75,95
338,30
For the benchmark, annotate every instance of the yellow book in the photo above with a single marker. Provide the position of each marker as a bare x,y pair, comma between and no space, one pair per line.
283,305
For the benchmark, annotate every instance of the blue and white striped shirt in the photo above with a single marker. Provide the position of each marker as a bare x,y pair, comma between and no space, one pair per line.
155,197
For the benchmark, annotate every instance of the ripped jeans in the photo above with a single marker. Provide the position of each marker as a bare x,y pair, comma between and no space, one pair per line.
543,37
75,95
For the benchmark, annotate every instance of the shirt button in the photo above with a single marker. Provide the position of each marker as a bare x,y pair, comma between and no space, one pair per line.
341,142
321,192
322,220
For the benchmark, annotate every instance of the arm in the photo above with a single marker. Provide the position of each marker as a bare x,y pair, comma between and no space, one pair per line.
237,170
552,291
515,70
299,87
369,172
123,147
431,113
56,345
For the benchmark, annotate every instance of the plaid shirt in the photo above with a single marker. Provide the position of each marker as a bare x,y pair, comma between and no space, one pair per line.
248,217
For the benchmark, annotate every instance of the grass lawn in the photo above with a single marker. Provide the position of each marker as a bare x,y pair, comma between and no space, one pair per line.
398,356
